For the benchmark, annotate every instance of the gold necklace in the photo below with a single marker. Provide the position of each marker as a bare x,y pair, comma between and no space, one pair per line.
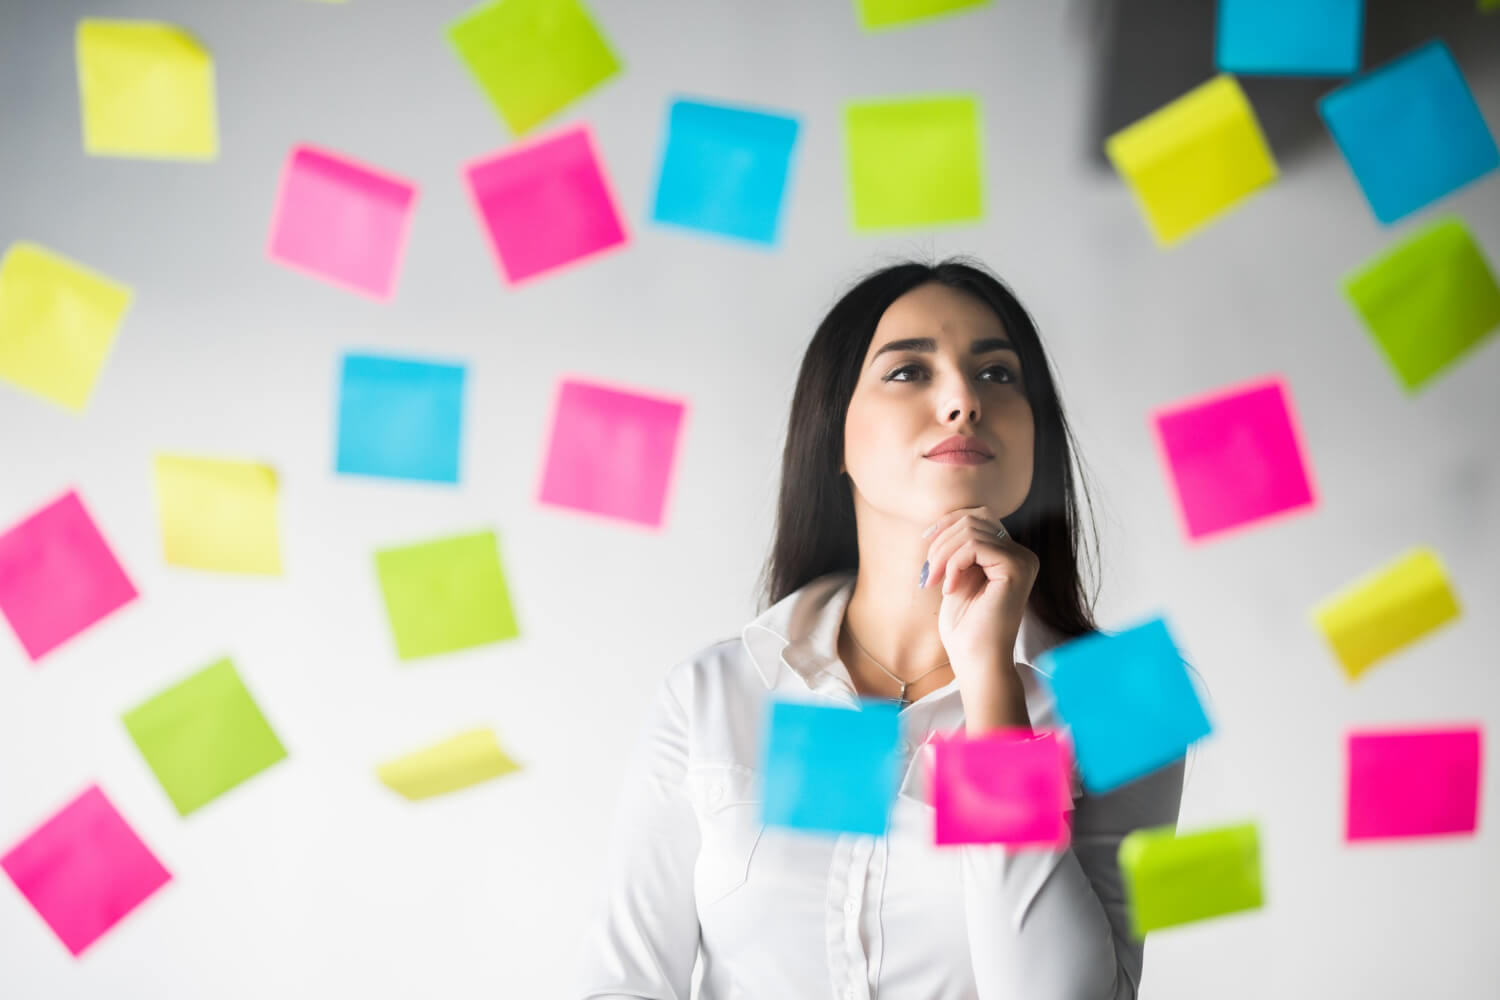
904,684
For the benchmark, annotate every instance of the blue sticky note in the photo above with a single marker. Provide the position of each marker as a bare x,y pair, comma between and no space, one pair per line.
1128,700
724,170
830,769
1411,131
400,418
1290,37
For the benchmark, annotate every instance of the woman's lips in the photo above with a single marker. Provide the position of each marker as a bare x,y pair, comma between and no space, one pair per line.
960,458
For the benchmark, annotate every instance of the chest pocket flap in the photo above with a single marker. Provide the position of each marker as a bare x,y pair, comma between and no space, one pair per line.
727,799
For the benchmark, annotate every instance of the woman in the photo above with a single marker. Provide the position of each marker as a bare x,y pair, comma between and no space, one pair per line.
926,550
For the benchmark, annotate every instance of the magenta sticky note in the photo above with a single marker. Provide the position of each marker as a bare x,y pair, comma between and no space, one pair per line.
1235,457
58,576
84,869
545,203
611,451
1007,787
342,221
1412,783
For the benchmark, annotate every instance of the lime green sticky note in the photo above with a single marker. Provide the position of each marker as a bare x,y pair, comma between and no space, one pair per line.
888,13
1489,4
203,736
147,90
446,595
218,514
1194,159
914,161
458,762
532,57
1387,609
1175,878
1427,302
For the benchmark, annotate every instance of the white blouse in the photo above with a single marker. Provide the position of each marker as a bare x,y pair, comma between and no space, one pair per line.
766,913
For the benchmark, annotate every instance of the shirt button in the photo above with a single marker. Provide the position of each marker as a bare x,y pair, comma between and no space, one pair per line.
906,748
849,993
850,906
716,792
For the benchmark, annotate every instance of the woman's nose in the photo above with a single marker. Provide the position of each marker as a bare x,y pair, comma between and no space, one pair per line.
959,405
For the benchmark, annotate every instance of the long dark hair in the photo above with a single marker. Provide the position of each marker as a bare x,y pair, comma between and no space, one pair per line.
815,530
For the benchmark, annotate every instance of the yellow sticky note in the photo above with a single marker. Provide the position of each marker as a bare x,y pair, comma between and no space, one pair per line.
218,514
464,760
1192,160
1386,609
58,320
147,90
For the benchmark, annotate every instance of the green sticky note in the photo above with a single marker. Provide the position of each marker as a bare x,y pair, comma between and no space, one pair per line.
1173,879
203,736
466,759
446,595
888,13
532,57
1429,301
914,162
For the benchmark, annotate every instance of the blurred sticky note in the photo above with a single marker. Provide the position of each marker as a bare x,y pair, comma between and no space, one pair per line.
545,204
218,514
611,452
58,320
1290,37
1173,878
829,769
1386,610
724,170
890,13
203,736
400,418
146,90
84,869
1489,4
1410,131
532,57
1194,159
458,762
342,221
1412,783
445,595
914,162
1007,787
1127,700
58,576
1429,301
1234,457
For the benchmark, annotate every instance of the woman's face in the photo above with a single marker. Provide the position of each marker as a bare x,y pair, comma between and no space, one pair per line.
940,364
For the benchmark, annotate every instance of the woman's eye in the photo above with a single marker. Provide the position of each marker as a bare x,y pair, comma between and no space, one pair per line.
1003,374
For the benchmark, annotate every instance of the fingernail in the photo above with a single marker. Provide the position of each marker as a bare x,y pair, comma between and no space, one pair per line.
928,532
922,580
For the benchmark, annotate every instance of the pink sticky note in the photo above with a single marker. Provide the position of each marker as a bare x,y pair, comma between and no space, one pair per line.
545,203
611,452
342,221
58,576
1412,783
84,869
1008,787
1234,456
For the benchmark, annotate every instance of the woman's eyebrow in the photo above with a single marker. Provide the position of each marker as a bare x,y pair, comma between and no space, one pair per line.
927,345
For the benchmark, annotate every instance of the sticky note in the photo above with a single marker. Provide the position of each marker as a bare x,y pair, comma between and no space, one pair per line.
1008,787
58,320
829,769
1173,879
1290,37
146,89
400,418
84,870
532,58
1413,782
724,170
611,451
1386,610
1127,700
458,762
1427,302
874,14
58,576
1410,131
1194,159
914,161
445,595
218,514
1234,457
342,221
545,204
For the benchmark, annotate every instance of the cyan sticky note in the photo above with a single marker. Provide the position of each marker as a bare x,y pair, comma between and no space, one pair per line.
829,769
724,170
400,418
1128,700
1290,37
1411,131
